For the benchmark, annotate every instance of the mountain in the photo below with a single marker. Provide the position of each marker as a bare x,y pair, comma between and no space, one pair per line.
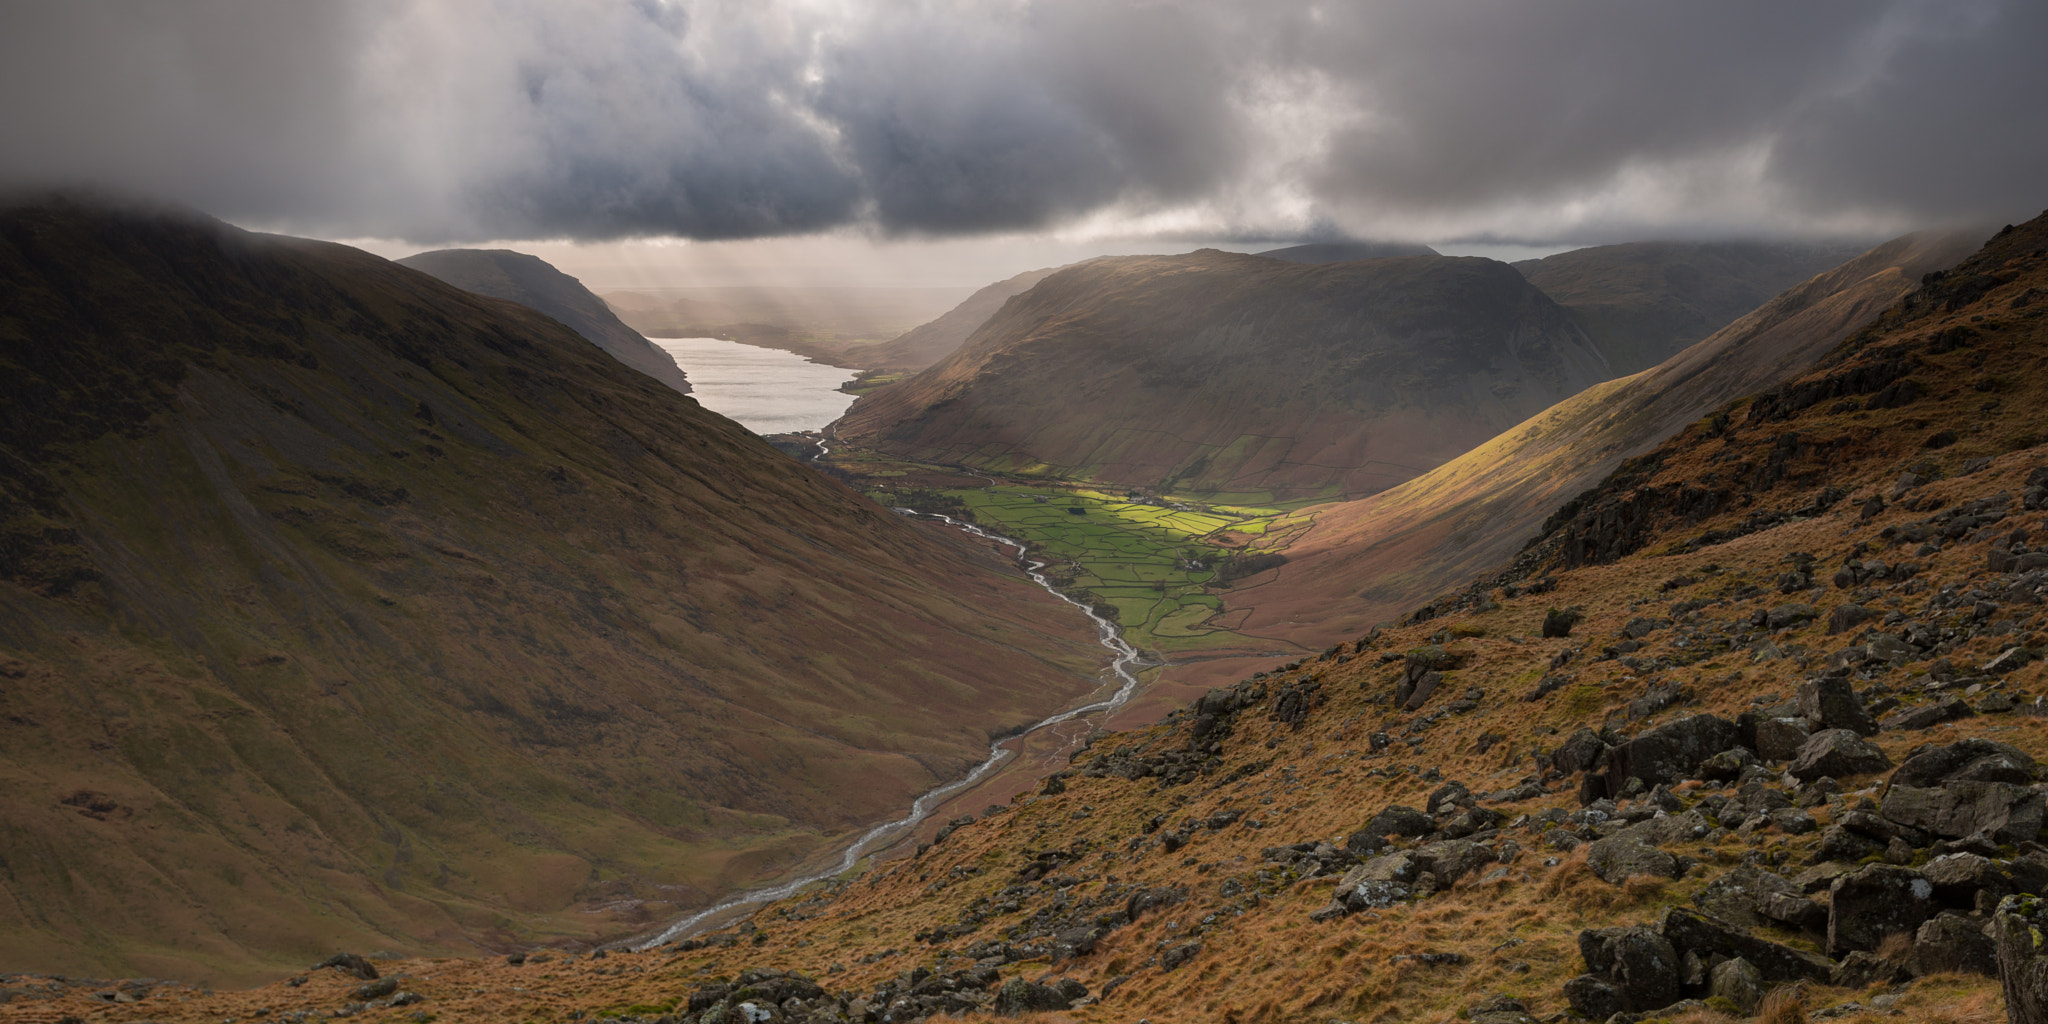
531,281
1793,726
1341,252
1369,560
342,608
1642,302
928,343
1224,372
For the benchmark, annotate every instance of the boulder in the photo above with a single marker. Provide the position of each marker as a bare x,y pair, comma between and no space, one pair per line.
1018,996
1831,703
1399,868
1779,739
1727,765
1499,1009
2022,957
1706,938
1846,618
1739,982
1559,622
1400,821
1793,910
1876,901
1840,844
1668,753
2004,812
1638,962
1451,859
1863,969
1959,877
1179,955
1926,716
1967,760
1735,897
1837,754
350,964
1579,752
1791,613
1594,997
1953,943
1618,857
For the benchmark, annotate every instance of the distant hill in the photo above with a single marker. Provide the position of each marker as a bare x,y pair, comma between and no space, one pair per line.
531,281
1340,252
344,609
928,343
1364,561
1223,372
1643,302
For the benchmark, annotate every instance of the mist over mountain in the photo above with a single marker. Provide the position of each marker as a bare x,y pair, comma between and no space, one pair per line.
342,608
928,343
1340,252
1642,302
530,281
1225,372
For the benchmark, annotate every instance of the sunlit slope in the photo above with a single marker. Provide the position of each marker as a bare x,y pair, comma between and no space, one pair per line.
1368,560
531,281
1240,375
340,608
1644,302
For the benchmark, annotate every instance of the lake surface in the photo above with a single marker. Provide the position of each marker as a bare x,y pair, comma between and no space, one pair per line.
767,390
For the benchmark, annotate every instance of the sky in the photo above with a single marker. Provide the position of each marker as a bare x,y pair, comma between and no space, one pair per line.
918,141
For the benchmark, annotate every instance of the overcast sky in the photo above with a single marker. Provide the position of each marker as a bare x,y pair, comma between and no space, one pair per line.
961,126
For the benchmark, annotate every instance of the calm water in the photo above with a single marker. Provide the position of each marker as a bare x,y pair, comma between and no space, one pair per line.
767,390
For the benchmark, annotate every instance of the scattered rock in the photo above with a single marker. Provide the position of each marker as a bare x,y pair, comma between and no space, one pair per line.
1947,709
349,963
1968,760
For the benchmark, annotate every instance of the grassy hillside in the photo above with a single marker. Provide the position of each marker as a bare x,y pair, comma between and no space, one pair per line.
1246,378
928,343
340,607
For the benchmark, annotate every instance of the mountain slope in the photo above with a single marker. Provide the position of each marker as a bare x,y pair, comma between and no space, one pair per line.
1642,302
1438,530
1222,372
340,607
531,281
926,344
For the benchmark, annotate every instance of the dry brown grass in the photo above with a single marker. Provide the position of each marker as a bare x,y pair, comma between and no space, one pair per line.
1896,947
1785,1004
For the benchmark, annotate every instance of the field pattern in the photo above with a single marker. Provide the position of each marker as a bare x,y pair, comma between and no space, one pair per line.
1154,560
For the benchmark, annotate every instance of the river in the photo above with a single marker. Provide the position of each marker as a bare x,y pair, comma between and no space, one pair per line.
1124,657
767,390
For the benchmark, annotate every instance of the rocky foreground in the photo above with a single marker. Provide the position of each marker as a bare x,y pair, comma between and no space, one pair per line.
1755,729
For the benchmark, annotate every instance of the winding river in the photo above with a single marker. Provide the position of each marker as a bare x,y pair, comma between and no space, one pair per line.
1124,658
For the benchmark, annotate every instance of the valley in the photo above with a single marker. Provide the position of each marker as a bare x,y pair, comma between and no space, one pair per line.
1737,699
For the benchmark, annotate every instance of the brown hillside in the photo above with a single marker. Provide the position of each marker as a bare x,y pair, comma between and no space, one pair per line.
1643,302
340,607
1222,372
1798,722
1366,561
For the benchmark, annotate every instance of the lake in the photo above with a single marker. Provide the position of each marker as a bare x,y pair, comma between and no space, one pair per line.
767,390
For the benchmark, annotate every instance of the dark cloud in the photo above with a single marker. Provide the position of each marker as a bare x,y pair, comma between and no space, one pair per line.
446,120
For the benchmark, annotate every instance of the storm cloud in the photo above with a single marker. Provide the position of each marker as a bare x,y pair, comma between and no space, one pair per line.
453,120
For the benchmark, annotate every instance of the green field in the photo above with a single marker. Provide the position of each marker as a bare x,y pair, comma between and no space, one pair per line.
1155,563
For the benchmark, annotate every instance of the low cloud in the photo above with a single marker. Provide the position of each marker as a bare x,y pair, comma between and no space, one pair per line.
452,120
